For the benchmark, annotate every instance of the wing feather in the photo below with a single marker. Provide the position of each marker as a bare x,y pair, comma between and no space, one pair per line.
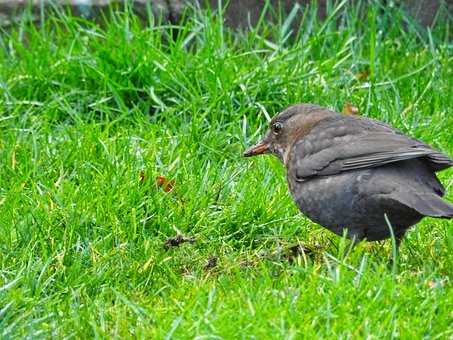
361,148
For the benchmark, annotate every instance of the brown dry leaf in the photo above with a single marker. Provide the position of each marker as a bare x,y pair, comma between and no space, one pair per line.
363,75
164,183
350,109
177,241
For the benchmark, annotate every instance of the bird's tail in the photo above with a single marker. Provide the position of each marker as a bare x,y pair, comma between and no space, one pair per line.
427,204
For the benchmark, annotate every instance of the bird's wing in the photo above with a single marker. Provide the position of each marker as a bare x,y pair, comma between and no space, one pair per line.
349,143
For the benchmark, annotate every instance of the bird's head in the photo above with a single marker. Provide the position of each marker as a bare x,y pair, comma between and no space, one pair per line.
286,128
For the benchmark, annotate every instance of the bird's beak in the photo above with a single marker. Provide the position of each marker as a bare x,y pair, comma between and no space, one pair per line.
258,149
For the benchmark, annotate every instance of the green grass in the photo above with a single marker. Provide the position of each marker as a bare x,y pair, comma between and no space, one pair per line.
91,114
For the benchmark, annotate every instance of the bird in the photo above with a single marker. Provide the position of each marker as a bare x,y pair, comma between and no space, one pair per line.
354,175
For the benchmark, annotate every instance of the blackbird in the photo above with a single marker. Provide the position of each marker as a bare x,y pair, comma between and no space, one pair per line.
354,173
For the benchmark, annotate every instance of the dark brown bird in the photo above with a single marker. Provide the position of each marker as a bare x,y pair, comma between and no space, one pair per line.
348,172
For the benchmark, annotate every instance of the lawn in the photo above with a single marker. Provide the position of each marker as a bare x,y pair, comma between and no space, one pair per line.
91,114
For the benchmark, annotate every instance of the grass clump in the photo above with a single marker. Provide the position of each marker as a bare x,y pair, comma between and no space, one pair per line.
91,114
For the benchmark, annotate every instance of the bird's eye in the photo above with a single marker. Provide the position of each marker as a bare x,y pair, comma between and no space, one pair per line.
277,127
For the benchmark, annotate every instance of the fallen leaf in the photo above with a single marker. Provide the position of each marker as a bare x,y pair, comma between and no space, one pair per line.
363,75
177,241
350,109
164,183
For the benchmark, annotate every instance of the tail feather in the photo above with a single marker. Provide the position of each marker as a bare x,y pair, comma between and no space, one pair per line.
426,204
